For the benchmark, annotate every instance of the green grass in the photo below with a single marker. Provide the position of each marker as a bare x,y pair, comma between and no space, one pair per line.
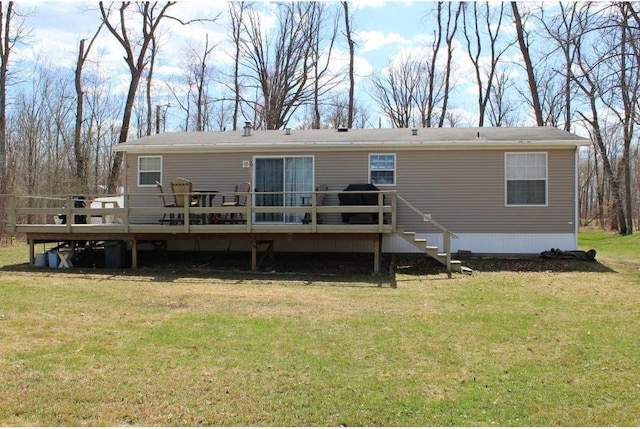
154,347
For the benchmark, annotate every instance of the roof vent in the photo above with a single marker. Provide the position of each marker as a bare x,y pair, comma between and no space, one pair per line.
343,129
287,131
247,129
414,131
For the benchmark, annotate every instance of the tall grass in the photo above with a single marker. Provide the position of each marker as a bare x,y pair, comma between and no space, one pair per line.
153,347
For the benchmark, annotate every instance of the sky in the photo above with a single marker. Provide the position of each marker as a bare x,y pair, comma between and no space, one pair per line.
383,29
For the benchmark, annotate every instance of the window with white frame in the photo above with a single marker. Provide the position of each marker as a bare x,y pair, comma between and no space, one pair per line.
526,178
149,170
382,168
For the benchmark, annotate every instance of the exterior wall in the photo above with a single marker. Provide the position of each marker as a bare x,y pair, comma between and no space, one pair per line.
462,189
465,191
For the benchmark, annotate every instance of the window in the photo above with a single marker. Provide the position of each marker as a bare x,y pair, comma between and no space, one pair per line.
149,170
526,179
382,169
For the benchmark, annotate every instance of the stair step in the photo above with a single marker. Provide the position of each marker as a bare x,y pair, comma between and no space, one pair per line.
433,251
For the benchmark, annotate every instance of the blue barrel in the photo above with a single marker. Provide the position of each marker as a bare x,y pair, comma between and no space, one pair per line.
53,259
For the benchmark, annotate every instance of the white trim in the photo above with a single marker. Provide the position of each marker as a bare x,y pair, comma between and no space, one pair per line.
395,168
149,171
489,243
546,179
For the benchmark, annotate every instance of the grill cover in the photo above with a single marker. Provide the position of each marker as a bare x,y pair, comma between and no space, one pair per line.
356,199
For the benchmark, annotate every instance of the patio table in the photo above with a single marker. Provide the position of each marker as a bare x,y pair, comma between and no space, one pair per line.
204,197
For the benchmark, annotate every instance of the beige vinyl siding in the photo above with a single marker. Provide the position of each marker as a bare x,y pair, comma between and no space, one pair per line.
463,190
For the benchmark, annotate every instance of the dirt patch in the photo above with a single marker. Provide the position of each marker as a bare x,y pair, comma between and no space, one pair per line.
353,263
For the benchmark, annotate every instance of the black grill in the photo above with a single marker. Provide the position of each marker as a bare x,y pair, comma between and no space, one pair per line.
356,199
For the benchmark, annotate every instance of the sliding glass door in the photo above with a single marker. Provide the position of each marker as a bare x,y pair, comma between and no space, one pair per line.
282,182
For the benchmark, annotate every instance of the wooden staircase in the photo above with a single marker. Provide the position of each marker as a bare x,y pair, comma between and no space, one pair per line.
444,256
433,251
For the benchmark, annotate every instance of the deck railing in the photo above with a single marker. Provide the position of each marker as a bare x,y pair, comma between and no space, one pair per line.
126,213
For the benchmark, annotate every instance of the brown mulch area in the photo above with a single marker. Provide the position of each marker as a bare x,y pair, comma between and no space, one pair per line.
353,263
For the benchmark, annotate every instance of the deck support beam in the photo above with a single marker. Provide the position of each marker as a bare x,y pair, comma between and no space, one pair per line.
254,255
377,251
254,252
32,252
134,253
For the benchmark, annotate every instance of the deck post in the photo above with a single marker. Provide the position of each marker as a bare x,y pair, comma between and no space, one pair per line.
134,254
447,250
380,211
127,213
249,212
13,220
376,254
394,208
254,255
314,212
32,252
69,219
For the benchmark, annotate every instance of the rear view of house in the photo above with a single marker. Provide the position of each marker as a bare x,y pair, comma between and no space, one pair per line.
437,191
499,190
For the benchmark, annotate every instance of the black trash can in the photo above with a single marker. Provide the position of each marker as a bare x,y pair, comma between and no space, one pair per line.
115,254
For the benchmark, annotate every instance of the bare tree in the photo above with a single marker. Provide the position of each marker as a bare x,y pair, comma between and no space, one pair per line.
451,30
588,76
523,41
625,85
351,43
561,28
150,19
279,65
149,83
475,39
321,51
78,144
199,77
236,17
500,108
395,89
11,32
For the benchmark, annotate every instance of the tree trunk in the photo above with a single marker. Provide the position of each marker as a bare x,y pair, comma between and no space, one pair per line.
347,26
524,48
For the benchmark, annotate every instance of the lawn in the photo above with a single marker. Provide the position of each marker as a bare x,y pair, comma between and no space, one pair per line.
549,345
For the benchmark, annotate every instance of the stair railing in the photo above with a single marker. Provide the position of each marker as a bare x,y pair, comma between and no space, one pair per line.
446,233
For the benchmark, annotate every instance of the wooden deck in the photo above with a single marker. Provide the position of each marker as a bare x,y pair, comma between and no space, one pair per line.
39,218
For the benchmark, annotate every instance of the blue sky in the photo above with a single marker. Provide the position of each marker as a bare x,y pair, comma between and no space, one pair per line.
383,29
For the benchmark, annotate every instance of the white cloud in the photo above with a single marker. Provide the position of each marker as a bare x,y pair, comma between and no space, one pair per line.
369,41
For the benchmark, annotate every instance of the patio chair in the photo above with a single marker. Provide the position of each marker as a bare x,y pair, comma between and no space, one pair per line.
183,194
164,219
238,199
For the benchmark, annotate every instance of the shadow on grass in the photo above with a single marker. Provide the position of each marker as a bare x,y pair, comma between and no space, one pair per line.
326,269
353,270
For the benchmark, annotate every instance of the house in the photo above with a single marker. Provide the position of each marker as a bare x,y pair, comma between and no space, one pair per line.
498,190
438,191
